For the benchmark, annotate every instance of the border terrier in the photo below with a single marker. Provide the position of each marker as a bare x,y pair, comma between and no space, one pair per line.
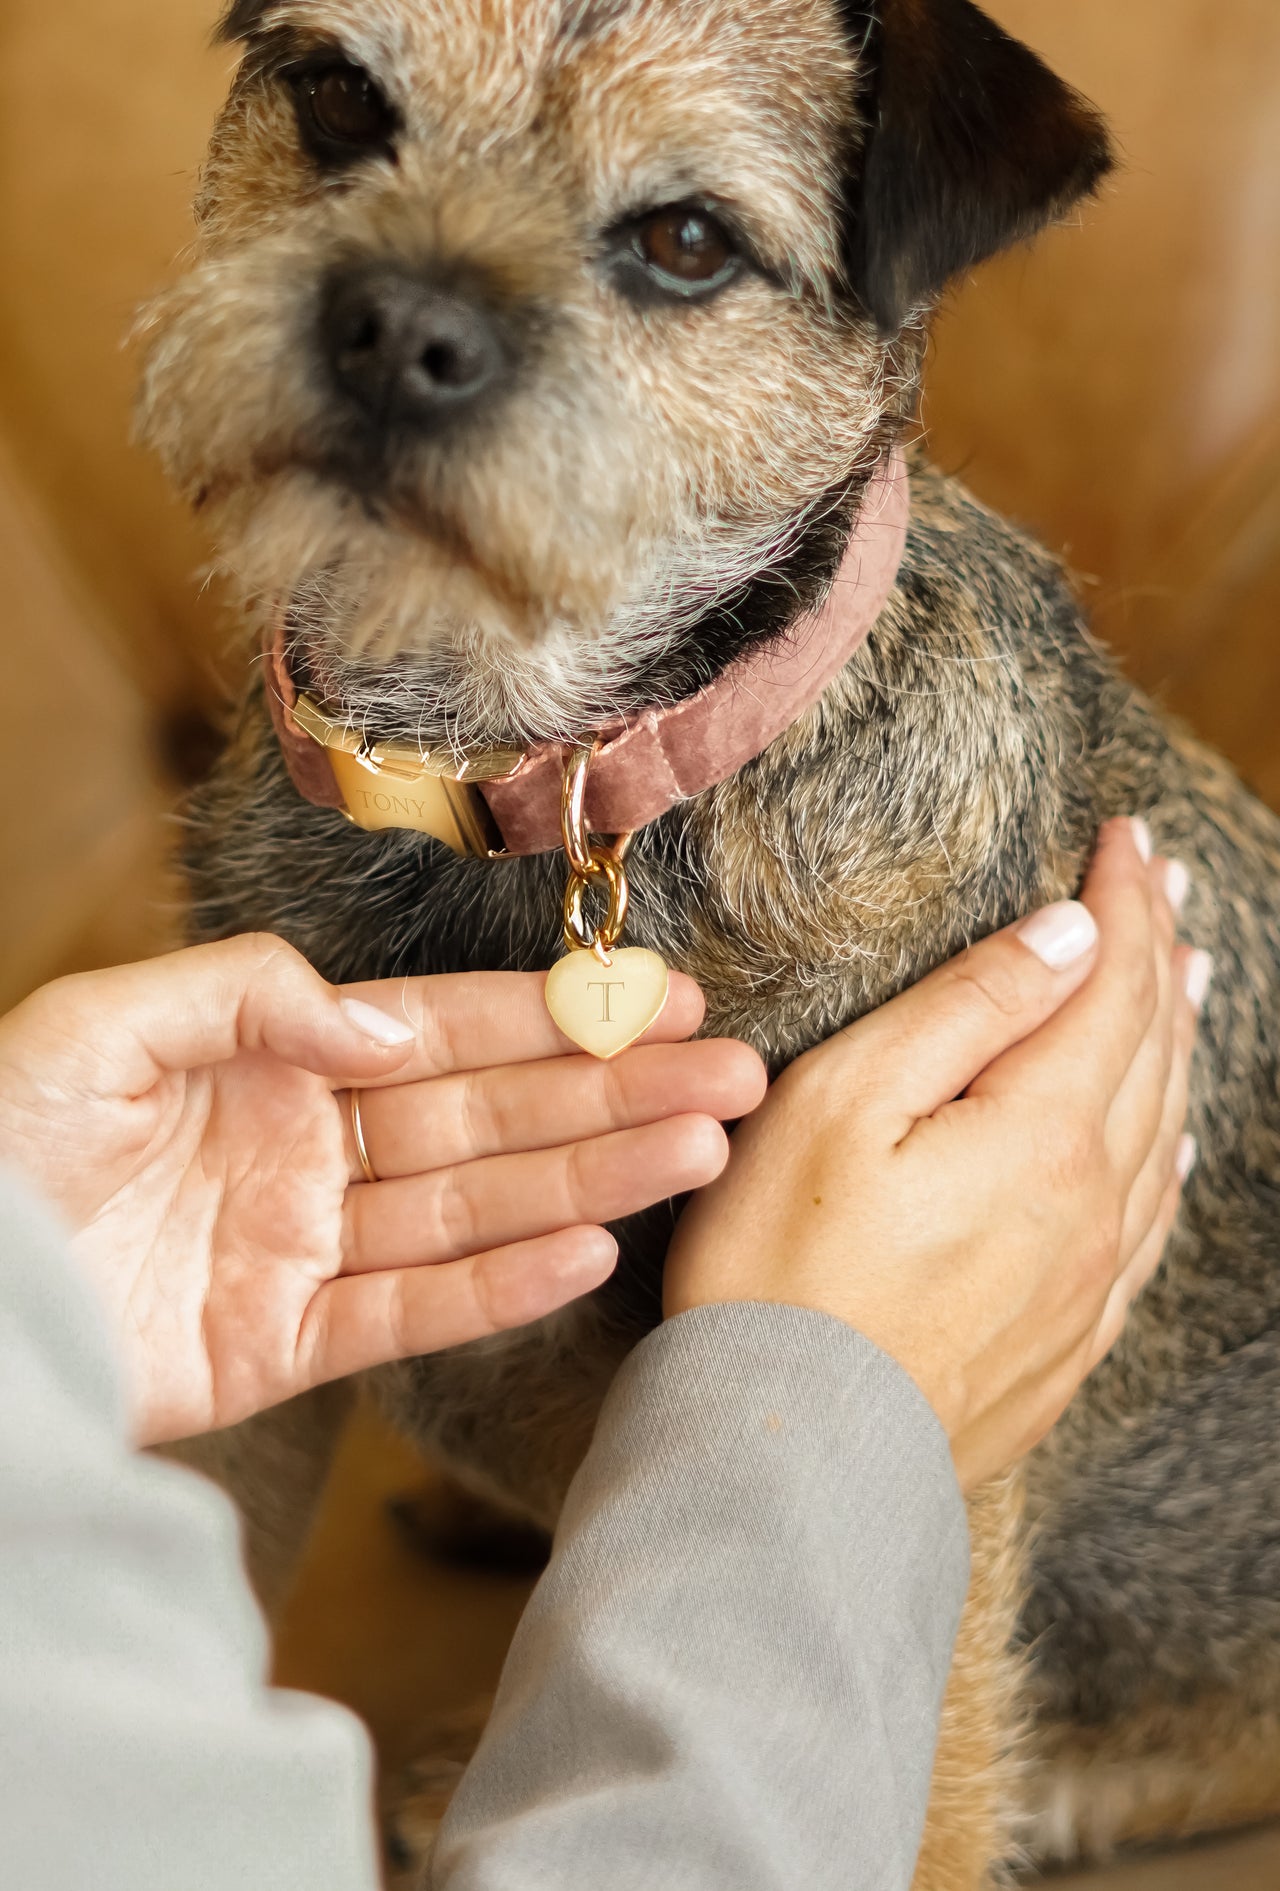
534,367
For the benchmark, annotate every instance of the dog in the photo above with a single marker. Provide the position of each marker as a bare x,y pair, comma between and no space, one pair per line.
537,366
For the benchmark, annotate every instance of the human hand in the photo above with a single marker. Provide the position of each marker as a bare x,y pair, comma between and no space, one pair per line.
981,1175
186,1118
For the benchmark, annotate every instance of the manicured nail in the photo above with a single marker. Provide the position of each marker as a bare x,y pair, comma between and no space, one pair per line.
1196,979
371,1022
1177,884
1061,934
1141,836
1185,1161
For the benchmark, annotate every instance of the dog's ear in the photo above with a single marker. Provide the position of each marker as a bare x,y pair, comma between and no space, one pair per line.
971,144
239,19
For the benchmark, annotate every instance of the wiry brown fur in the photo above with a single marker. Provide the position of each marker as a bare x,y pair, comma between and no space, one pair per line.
1172,1771
981,1736
655,490
537,138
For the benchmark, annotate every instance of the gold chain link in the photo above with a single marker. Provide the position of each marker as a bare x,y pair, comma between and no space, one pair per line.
606,867
590,862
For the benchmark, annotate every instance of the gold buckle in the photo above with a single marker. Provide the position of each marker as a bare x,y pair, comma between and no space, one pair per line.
394,785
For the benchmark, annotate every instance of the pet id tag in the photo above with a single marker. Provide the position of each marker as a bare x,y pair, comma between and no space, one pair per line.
601,996
605,1004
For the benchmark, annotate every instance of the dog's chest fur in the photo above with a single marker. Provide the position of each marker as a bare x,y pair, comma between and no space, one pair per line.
952,778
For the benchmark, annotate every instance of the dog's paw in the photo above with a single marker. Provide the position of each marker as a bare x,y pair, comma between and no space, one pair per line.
414,1800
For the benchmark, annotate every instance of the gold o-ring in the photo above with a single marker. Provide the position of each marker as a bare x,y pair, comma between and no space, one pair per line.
573,800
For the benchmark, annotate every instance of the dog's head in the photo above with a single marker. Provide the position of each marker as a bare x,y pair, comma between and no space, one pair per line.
558,324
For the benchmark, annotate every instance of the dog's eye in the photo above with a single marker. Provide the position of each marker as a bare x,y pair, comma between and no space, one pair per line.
342,114
679,253
686,245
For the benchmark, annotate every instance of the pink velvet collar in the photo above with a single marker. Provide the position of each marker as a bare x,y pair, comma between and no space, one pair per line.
648,762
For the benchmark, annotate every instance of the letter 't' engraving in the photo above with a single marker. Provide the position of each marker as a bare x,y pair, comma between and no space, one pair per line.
606,985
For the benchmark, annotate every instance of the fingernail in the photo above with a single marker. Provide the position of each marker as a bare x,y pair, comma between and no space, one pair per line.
590,1259
1197,977
1177,884
1061,934
371,1022
1185,1161
1141,836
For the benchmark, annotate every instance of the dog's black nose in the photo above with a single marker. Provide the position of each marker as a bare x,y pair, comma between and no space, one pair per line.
409,353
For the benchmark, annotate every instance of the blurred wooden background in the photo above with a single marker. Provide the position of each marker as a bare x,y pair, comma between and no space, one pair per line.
1117,388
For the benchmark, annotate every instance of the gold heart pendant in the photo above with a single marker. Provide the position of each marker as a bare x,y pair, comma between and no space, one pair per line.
606,1006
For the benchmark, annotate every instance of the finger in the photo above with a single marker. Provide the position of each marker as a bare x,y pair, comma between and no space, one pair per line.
469,1020
364,1320
1157,1161
1133,1121
1023,1418
926,1047
1049,1380
200,1005
449,1213
1008,1430
1035,1403
1145,1261
413,1127
1079,1058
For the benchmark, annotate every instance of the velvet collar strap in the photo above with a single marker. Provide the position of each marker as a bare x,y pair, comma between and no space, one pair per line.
505,802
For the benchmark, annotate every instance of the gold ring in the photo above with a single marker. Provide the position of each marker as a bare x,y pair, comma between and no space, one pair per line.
357,1133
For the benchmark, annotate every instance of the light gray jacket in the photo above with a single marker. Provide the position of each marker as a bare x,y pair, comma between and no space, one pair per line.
729,1676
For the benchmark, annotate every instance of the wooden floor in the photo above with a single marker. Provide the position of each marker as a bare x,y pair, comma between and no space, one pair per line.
1118,389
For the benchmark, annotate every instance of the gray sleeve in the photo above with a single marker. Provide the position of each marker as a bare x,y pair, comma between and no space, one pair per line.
141,1748
731,1674
729,1677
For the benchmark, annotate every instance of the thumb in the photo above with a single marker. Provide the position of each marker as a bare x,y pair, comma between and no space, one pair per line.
199,1006
935,1039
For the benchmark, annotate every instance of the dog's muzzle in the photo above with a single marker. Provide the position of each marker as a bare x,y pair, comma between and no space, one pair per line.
497,802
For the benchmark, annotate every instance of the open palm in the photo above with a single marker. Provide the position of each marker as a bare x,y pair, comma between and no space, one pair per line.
189,1118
